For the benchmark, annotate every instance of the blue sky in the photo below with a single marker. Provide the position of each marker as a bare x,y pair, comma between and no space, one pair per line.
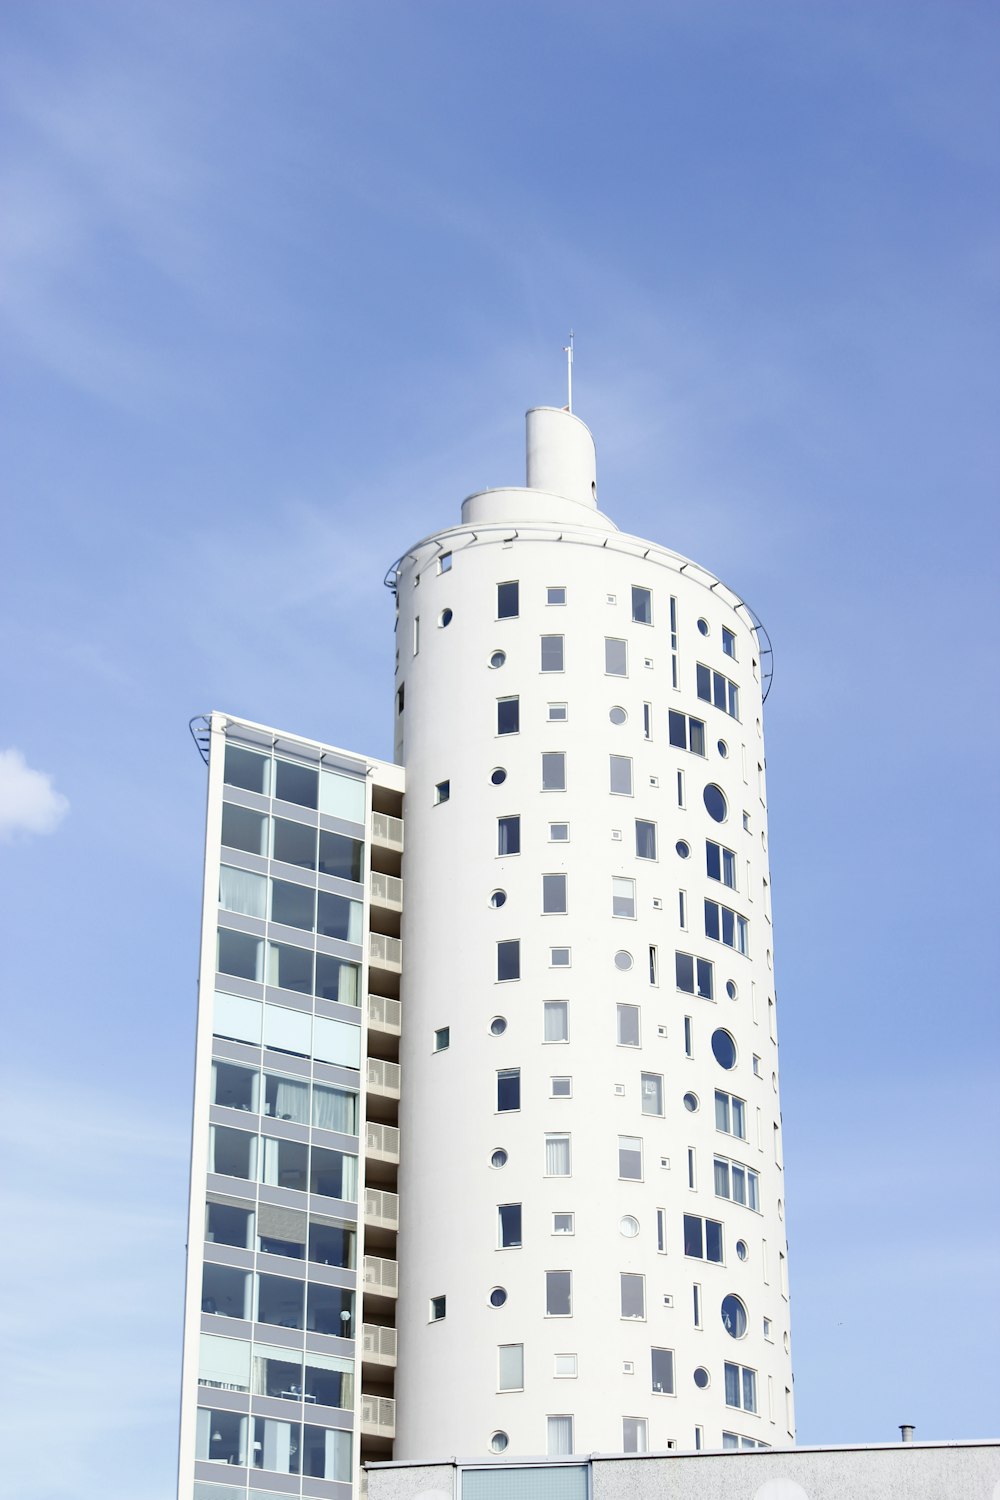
276,285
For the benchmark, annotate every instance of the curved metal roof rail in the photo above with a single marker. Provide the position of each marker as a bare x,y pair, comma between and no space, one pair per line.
201,727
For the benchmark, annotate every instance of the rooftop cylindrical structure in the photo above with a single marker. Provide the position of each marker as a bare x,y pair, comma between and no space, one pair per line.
591,1185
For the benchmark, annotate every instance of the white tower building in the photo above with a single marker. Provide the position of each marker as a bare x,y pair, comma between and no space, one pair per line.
592,1249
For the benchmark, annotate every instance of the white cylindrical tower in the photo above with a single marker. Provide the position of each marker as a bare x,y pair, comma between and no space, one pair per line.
592,1248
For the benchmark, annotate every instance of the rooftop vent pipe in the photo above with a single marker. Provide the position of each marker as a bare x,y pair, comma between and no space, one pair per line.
906,1432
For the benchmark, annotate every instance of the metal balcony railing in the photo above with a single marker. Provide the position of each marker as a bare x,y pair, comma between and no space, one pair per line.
382,1141
387,830
378,1416
386,890
380,1275
383,1077
385,952
384,1014
381,1208
378,1345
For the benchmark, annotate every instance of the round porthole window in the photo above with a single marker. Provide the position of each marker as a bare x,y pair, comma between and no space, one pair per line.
445,618
691,1102
701,1378
497,898
723,749
617,715
703,626
497,659
734,1317
723,1049
628,1226
498,1296
731,989
498,1025
499,1158
498,775
683,849
498,1442
623,960
742,1249
715,802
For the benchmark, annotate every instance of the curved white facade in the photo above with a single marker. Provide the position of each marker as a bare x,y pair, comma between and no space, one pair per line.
616,1146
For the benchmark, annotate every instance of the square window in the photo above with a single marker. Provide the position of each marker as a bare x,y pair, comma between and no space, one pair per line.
507,601
557,1156
556,1019
508,960
442,1038
621,775
554,894
509,835
615,657
442,792
560,1088
563,1223
438,1308
557,713
508,1090
508,716
630,1158
553,653
564,1366
558,833
553,771
559,958
509,1226
556,595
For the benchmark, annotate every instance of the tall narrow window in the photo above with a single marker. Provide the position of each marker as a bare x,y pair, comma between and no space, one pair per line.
416,634
553,771
554,897
688,1037
615,657
508,716
633,1295
728,642
622,896
508,1089
630,1158
507,601
621,775
647,721
559,1294
628,1025
645,839
509,1226
557,1156
509,959
652,1094
634,1435
509,835
662,1371
552,653
642,606
510,1367
559,1432
556,1019
661,1231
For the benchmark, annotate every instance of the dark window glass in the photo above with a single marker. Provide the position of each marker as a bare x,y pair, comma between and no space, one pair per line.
711,920
295,905
510,1225
330,1309
704,678
723,1049
337,980
244,829
508,1089
509,835
295,843
719,686
509,960
508,716
224,1291
238,954
225,1225
332,1245
232,1086
333,1174
663,1371
697,733
286,1163
713,1240
559,1293
507,601
334,916
290,968
247,769
684,964
340,856
645,839
295,783
642,606
715,803
728,642
704,976
713,860
552,653
280,1300
678,729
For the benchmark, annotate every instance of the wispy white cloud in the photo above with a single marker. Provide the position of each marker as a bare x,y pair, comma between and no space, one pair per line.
28,801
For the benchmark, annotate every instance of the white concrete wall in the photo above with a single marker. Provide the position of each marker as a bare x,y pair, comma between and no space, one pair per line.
446,1383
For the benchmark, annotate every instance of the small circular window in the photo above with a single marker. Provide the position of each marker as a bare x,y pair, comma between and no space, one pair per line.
498,1296
498,775
498,1442
734,1317
703,626
723,749
497,898
623,960
628,1226
731,989
445,618
498,1025
691,1102
715,802
701,1378
723,1049
617,715
499,1158
497,659
742,1249
683,849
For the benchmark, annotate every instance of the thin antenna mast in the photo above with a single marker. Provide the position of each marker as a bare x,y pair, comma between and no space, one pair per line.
568,351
